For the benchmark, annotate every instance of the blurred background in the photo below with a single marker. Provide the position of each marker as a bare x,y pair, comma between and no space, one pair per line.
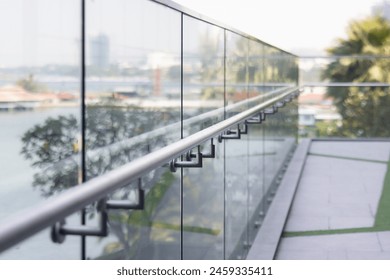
344,54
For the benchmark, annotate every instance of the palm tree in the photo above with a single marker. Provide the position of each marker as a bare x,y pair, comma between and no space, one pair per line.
365,110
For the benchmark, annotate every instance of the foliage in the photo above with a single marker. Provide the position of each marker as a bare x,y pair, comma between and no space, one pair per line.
364,110
325,128
54,146
31,85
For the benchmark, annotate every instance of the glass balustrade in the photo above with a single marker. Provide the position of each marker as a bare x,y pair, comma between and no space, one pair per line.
153,75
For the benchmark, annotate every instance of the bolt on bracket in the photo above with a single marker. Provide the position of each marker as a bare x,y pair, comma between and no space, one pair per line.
230,134
188,163
60,230
256,119
271,110
280,104
211,153
126,205
245,130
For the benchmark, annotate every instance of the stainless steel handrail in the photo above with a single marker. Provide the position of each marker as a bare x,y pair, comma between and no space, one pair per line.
174,127
29,222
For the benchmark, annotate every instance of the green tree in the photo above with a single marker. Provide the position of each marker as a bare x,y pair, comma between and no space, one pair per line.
53,147
365,111
31,85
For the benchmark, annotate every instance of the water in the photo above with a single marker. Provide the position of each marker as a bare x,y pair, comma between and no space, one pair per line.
16,173
16,177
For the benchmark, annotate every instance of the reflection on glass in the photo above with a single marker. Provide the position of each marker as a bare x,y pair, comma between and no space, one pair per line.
255,140
39,111
203,208
203,74
133,104
149,233
203,106
236,73
236,151
139,100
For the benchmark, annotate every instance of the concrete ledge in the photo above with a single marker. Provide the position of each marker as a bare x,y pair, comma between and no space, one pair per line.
266,242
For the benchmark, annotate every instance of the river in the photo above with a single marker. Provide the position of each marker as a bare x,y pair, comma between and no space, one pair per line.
16,190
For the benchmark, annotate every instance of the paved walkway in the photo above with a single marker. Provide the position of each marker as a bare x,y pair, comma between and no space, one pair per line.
335,210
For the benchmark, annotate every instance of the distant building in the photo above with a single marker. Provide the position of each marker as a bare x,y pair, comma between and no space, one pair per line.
99,49
316,106
307,117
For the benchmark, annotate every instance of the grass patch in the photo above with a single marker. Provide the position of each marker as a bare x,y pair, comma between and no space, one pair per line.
334,231
162,225
382,217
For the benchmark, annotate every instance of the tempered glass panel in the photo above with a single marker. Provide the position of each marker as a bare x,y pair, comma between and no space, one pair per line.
203,208
149,233
203,75
203,106
236,195
133,105
285,120
133,76
39,113
236,151
344,69
255,139
280,128
236,73
272,82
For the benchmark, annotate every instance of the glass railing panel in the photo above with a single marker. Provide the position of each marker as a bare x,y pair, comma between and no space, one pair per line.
39,113
343,69
203,75
255,139
280,69
285,137
236,151
272,82
133,74
236,73
153,232
236,195
133,102
203,106
203,207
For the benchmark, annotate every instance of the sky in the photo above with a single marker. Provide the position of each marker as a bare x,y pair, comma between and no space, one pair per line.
39,37
303,27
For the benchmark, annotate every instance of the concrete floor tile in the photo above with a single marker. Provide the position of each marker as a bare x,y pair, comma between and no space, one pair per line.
337,255
302,255
338,193
349,210
366,150
350,222
367,255
300,223
384,240
333,242
343,197
309,200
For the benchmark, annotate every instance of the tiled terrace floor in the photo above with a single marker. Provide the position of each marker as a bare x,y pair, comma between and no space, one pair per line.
340,210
